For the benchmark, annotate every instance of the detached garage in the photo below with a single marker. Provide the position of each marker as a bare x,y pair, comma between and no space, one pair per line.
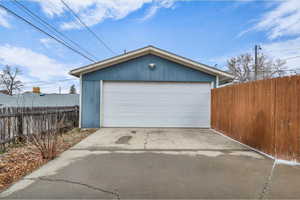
148,87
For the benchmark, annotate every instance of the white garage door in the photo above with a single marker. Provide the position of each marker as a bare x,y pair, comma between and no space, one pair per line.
155,104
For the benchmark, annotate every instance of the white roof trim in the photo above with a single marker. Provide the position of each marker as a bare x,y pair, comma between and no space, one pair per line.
149,50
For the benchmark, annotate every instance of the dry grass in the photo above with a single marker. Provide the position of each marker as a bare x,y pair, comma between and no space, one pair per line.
21,159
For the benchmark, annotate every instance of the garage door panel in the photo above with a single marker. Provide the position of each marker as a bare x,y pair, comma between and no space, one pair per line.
156,104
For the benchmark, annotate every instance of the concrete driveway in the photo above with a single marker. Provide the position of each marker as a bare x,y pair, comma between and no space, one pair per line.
131,163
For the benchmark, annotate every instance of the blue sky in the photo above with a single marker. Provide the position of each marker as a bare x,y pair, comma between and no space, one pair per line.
207,31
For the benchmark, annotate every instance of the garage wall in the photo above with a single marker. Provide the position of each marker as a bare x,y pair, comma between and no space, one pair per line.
137,70
90,113
133,70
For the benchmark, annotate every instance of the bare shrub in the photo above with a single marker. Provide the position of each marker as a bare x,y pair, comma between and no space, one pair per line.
47,141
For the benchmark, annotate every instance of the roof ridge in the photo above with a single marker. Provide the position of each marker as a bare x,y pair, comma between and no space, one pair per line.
156,51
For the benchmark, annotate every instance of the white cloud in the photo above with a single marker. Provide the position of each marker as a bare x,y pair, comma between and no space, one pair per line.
151,12
64,86
95,11
51,86
276,50
157,5
39,66
51,8
221,61
3,18
47,42
114,9
38,69
283,20
285,49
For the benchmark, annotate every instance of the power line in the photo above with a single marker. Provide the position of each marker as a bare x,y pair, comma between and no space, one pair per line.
47,25
49,82
87,28
48,34
291,58
278,70
270,70
288,58
281,49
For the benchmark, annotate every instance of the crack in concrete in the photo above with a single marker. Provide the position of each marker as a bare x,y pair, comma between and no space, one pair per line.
114,193
146,140
267,183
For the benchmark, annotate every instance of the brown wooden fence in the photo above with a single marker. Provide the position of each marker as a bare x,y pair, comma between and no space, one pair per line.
22,121
263,114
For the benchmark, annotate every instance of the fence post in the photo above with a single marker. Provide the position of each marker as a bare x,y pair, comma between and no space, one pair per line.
17,123
76,116
20,127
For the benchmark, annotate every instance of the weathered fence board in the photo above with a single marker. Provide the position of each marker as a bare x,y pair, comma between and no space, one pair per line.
263,114
22,121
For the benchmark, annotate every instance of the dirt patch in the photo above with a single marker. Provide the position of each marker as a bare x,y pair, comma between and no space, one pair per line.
21,159
124,139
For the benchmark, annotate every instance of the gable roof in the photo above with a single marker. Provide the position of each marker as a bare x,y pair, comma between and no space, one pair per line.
155,51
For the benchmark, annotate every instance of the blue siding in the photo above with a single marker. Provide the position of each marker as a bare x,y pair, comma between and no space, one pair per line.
90,114
137,70
133,70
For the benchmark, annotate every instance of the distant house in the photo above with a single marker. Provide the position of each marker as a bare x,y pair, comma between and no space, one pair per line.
30,99
3,92
4,99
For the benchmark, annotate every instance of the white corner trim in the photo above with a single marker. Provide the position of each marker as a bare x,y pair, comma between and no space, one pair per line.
217,81
80,100
212,85
101,104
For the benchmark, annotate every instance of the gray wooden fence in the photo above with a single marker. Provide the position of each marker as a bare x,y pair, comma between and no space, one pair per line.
16,122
